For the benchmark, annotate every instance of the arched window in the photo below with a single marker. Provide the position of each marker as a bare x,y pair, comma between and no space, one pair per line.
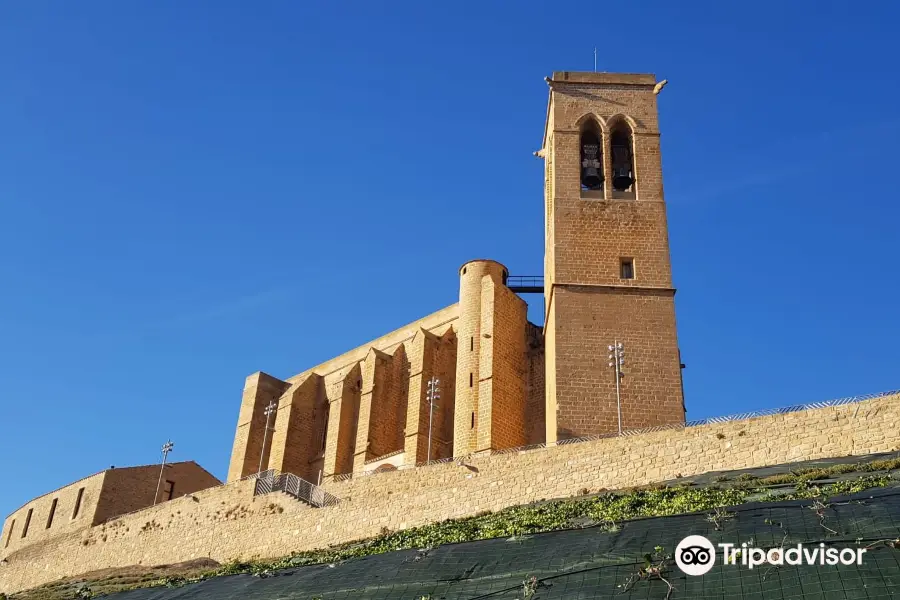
591,158
621,146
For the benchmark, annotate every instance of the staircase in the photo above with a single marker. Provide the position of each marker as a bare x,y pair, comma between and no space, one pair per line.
304,491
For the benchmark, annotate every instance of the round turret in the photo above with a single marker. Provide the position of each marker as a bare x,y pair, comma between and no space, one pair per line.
471,274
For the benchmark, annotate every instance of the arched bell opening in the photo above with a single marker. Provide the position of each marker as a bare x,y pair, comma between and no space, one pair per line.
621,144
591,158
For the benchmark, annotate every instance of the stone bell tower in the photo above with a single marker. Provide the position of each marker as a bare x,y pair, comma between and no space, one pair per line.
607,276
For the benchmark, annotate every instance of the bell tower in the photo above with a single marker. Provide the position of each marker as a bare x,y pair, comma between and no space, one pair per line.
607,275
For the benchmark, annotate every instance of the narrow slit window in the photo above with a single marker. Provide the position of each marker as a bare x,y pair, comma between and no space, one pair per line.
169,490
473,420
472,343
27,522
626,268
324,435
471,381
53,506
78,500
9,535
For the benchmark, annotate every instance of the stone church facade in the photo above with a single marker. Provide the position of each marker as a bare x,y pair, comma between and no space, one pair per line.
477,376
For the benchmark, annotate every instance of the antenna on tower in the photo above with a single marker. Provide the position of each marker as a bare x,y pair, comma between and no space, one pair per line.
595,59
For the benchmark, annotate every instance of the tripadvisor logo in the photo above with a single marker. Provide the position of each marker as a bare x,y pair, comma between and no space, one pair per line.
696,555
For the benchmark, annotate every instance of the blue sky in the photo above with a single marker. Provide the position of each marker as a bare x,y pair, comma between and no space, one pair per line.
190,192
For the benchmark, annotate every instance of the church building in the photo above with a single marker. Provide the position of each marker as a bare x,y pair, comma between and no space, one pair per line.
477,376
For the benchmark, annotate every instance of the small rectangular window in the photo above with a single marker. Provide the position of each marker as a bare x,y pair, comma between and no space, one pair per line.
473,420
627,268
470,380
52,512
169,490
27,522
78,503
472,343
12,526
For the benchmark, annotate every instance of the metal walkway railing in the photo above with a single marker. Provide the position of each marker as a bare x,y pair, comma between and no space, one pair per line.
526,284
272,481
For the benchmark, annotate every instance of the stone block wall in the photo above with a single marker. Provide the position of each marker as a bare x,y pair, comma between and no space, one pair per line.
227,522
501,410
444,370
298,427
431,357
589,319
95,499
28,524
260,390
344,388
133,488
390,394
357,401
536,406
348,414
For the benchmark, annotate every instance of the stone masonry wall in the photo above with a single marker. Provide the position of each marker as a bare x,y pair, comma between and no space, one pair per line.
341,412
501,410
295,435
445,371
343,398
65,519
133,488
227,522
535,401
259,390
430,357
94,499
586,386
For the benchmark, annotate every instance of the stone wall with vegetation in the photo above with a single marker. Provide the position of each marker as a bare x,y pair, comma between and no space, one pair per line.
226,523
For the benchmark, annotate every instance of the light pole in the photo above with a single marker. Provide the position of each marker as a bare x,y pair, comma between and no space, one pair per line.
616,360
167,447
270,410
434,393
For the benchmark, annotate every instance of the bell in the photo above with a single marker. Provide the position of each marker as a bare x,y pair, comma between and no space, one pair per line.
622,180
591,178
622,165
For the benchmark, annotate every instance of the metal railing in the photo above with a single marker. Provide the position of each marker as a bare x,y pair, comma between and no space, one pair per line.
386,456
789,409
526,283
271,481
267,474
631,432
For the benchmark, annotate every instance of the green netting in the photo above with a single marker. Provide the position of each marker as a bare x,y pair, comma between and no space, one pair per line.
597,563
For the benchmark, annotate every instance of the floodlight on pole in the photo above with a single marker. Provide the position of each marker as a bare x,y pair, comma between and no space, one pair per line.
167,447
271,409
434,394
616,362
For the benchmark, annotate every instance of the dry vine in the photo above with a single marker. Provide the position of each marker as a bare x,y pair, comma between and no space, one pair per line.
656,566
